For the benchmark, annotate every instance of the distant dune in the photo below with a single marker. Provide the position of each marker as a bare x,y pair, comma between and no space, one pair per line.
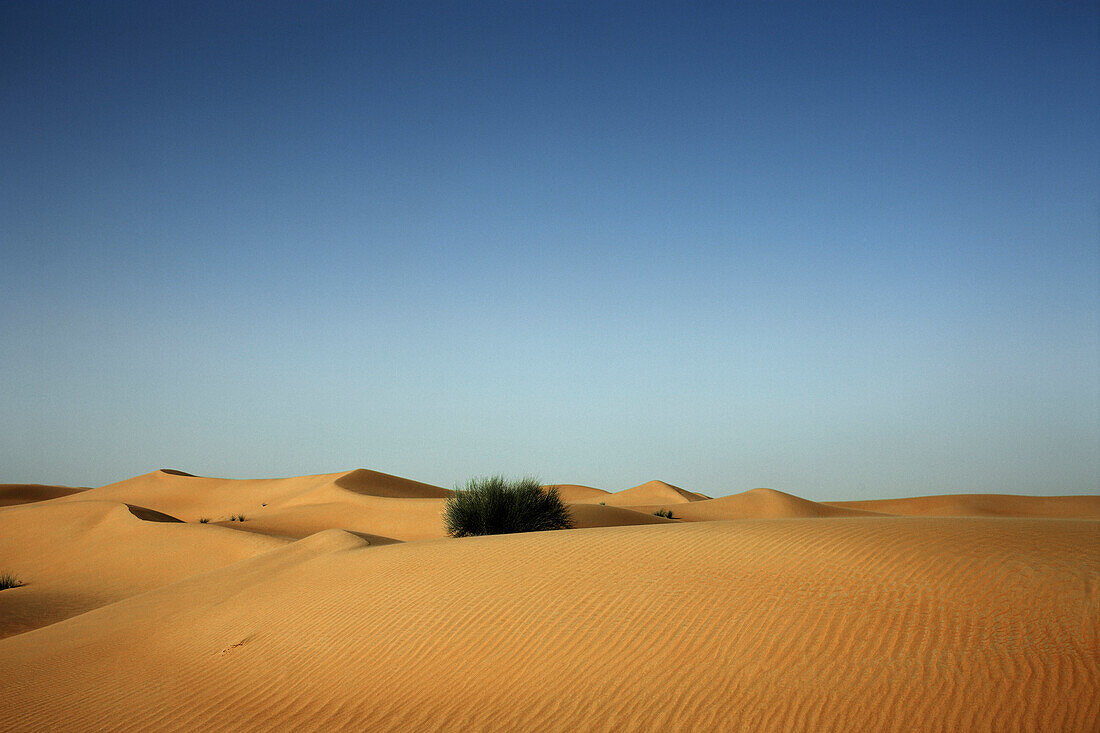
983,505
12,494
757,504
651,492
338,603
576,493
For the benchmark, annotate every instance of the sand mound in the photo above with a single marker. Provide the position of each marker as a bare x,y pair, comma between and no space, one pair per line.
594,515
825,624
368,503
373,483
647,494
984,505
76,556
193,497
392,519
12,494
756,504
572,493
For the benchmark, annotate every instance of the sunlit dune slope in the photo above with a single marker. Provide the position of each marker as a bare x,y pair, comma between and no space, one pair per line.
12,494
984,505
755,504
827,624
79,555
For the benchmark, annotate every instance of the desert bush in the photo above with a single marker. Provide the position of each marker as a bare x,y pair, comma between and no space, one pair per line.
495,505
666,513
7,580
204,520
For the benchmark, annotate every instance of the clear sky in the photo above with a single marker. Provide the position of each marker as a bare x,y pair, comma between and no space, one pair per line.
839,250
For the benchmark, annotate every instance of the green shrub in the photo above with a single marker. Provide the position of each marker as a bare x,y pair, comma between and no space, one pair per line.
495,505
7,580
666,513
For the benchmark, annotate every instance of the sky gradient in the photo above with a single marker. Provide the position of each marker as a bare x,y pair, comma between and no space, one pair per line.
845,252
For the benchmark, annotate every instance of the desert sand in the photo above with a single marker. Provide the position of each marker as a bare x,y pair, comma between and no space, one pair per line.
338,602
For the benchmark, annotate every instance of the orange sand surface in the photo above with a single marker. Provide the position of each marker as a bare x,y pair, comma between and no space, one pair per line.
339,603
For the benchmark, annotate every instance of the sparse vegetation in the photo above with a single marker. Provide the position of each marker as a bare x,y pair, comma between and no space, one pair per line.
495,505
666,513
603,503
237,518
7,580
204,520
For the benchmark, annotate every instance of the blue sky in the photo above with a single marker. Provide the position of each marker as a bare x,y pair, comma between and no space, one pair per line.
843,251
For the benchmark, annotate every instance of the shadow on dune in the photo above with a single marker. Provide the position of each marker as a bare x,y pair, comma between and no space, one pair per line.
151,515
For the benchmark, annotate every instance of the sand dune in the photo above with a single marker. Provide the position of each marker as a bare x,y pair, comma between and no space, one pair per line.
594,515
373,483
12,494
369,503
192,497
831,624
337,603
76,556
573,493
755,504
649,493
983,505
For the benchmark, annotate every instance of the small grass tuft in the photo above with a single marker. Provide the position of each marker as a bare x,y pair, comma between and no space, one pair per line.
7,580
666,513
204,520
239,517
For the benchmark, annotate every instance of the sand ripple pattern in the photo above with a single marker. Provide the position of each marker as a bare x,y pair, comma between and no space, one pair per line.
895,624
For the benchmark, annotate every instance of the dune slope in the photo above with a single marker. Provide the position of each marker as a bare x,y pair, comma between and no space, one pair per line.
75,556
824,624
